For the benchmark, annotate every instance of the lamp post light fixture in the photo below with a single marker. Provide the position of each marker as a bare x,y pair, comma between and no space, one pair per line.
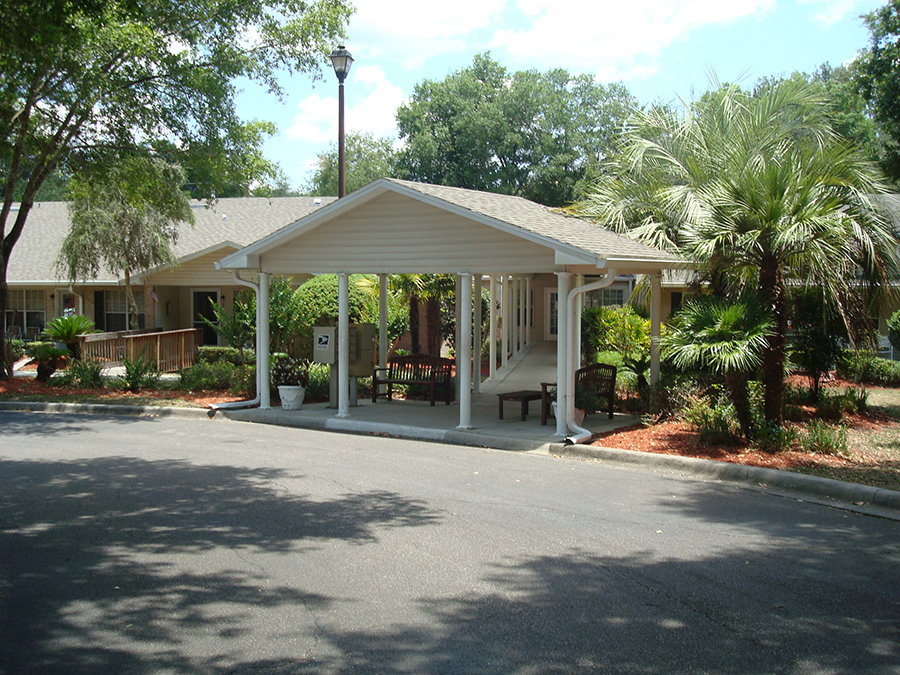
341,60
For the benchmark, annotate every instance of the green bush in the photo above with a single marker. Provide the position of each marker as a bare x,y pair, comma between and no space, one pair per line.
319,385
218,376
834,404
772,438
15,349
866,367
140,373
287,370
215,354
714,418
825,439
49,357
614,328
85,374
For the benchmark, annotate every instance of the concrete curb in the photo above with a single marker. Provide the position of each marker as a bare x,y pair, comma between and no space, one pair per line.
103,409
848,496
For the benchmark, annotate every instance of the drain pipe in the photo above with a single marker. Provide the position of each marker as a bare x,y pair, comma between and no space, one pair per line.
579,434
235,405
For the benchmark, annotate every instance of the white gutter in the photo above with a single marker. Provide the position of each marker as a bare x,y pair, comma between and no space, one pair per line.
580,434
234,405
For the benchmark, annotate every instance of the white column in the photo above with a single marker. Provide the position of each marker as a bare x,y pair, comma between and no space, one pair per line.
563,283
343,344
262,357
382,325
528,311
513,316
492,328
464,352
457,335
520,287
504,320
655,321
476,339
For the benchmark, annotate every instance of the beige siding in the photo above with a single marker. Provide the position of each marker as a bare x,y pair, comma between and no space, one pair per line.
400,235
198,272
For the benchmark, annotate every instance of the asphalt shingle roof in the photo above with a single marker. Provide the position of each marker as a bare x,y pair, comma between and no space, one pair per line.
543,221
240,221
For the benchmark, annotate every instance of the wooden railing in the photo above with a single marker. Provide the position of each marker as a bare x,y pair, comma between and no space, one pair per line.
169,350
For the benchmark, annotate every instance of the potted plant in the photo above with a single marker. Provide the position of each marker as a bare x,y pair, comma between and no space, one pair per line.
291,376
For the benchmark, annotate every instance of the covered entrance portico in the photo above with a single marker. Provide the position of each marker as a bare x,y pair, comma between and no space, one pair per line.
506,243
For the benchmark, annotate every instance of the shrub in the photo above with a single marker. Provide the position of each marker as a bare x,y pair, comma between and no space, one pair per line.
140,373
15,349
49,357
287,370
215,354
825,439
865,367
217,376
68,329
319,385
715,419
772,438
835,403
85,374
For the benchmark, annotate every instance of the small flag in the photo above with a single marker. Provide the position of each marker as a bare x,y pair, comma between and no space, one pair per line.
154,295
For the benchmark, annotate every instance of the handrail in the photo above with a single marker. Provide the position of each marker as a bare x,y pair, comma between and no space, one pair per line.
168,351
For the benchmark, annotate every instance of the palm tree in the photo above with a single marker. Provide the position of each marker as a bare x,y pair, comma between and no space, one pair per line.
727,338
760,193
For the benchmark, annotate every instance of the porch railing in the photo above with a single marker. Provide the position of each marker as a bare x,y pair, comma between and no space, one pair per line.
168,350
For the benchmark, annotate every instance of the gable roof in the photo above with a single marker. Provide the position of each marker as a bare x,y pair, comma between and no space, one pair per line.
231,222
570,240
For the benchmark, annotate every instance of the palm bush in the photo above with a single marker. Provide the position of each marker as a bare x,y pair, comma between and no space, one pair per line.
67,329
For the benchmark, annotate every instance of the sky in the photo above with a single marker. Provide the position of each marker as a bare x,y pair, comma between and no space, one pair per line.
660,49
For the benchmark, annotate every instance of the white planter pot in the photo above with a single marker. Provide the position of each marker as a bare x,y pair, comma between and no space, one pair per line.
291,397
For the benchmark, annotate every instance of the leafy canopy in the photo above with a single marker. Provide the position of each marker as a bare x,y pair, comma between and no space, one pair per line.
532,134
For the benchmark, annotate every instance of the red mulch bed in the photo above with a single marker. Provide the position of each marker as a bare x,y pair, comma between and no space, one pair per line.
677,438
23,387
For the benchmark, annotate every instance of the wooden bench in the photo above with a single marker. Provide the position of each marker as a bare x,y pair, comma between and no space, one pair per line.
431,371
599,378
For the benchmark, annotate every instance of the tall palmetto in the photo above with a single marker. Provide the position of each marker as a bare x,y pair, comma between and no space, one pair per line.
760,193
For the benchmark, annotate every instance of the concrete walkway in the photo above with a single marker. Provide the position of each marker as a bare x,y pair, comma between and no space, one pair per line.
418,419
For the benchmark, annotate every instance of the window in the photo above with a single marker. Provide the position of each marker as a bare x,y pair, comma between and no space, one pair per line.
27,310
116,309
605,297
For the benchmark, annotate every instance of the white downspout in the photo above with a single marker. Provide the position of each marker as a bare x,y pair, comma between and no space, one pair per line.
233,405
343,345
382,325
580,434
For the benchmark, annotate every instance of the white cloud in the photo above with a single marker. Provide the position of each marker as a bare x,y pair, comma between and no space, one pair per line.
375,113
618,40
411,31
378,98
316,121
831,11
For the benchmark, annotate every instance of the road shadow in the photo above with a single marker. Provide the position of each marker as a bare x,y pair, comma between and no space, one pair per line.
88,548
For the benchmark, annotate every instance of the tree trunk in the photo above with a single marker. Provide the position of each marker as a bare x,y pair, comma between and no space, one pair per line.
772,295
415,347
737,389
133,322
433,314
